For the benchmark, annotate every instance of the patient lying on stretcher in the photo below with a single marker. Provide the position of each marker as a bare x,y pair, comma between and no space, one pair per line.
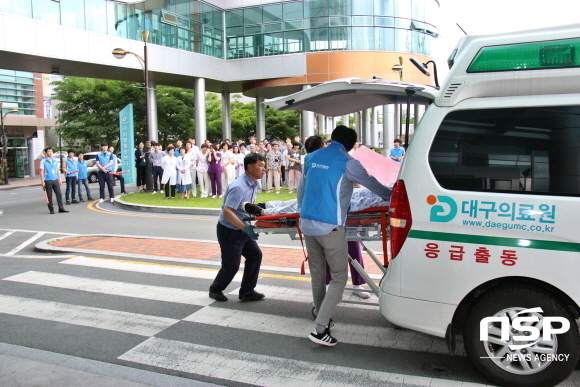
362,198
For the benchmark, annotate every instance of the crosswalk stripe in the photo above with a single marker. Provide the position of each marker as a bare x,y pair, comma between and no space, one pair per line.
372,336
149,292
134,323
146,267
262,370
284,293
24,244
6,235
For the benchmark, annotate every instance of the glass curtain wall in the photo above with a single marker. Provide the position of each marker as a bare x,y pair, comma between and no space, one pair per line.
18,87
322,25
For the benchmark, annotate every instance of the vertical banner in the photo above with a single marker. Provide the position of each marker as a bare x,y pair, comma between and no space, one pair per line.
127,144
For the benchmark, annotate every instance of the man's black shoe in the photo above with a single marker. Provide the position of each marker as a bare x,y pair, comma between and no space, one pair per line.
261,205
62,210
52,212
217,295
75,201
251,296
67,202
252,209
90,198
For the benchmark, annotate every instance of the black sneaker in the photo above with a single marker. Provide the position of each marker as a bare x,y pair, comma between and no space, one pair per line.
251,296
90,198
252,209
217,295
67,202
261,205
323,338
81,200
75,201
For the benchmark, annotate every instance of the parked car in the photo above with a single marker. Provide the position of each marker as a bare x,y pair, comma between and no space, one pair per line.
92,170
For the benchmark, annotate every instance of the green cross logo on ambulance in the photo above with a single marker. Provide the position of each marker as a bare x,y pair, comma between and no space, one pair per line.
491,214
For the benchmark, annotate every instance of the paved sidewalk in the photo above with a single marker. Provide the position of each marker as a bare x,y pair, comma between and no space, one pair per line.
18,182
204,252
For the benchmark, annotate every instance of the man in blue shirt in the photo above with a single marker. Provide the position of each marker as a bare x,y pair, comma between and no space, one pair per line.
105,164
71,177
397,153
83,177
236,237
324,197
50,180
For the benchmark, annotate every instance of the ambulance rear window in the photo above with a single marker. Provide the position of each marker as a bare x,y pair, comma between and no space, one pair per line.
527,56
532,150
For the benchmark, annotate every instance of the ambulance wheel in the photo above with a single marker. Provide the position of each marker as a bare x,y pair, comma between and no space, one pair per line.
528,362
314,312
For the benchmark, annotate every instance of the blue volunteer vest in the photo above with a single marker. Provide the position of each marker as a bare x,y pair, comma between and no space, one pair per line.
323,171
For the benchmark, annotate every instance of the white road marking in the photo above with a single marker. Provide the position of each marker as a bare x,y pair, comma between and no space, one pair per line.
144,267
263,370
24,244
34,231
6,235
125,289
133,323
371,336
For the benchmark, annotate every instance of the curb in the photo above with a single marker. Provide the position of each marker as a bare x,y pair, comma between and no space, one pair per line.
165,210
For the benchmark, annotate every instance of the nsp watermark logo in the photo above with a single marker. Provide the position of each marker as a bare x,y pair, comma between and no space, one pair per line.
522,331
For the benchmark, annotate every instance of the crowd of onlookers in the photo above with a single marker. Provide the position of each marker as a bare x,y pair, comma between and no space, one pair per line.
181,167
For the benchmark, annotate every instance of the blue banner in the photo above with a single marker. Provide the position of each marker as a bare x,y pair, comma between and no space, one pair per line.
128,144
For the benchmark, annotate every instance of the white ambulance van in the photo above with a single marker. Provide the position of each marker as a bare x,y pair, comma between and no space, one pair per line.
484,216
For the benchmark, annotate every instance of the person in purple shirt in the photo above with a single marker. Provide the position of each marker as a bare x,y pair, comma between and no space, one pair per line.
215,171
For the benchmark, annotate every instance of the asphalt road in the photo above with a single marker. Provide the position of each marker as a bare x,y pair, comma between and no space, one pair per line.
156,316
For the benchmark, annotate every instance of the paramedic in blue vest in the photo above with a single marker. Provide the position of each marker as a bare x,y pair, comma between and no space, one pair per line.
397,153
50,180
105,163
72,174
83,177
324,197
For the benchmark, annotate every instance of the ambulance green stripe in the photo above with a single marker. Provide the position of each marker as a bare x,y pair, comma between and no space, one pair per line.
496,241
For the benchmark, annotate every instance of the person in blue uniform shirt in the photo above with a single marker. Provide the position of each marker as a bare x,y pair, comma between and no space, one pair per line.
71,177
397,153
105,163
83,177
237,237
50,180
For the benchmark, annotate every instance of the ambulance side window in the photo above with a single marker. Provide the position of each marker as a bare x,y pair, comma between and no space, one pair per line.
532,150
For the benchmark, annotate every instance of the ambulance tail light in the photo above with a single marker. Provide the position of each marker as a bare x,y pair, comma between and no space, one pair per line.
400,217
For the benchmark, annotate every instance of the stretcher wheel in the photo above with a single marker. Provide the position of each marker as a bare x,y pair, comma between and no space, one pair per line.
314,311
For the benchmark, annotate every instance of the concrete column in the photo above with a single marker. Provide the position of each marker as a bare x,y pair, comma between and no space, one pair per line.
199,106
260,119
397,116
307,129
357,125
375,128
346,119
226,116
388,126
366,137
152,109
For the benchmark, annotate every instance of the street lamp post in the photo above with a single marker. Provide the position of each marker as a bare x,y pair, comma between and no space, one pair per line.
5,143
119,53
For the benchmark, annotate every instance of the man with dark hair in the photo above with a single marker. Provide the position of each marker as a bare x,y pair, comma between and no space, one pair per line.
72,174
50,180
105,164
324,197
313,143
397,153
237,237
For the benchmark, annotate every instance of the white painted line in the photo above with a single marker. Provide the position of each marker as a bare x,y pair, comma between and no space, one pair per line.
134,323
35,231
146,267
284,293
371,336
6,235
259,369
24,244
124,289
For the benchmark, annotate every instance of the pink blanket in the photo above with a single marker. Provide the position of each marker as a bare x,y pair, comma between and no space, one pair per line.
384,169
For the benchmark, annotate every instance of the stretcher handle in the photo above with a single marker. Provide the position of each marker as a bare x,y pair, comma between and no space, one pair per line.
364,274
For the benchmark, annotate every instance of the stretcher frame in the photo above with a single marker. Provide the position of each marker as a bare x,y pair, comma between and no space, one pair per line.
365,225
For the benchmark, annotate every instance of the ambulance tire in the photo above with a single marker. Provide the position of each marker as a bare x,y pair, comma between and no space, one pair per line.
513,299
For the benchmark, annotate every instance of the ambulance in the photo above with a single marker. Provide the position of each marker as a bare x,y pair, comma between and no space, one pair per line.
485,249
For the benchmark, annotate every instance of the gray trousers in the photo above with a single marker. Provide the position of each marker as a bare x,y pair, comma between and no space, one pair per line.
331,249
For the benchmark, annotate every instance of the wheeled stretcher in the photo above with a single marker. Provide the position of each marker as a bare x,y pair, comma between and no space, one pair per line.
366,225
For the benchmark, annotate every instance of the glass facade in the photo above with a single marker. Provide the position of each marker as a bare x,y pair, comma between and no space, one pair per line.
274,29
18,87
